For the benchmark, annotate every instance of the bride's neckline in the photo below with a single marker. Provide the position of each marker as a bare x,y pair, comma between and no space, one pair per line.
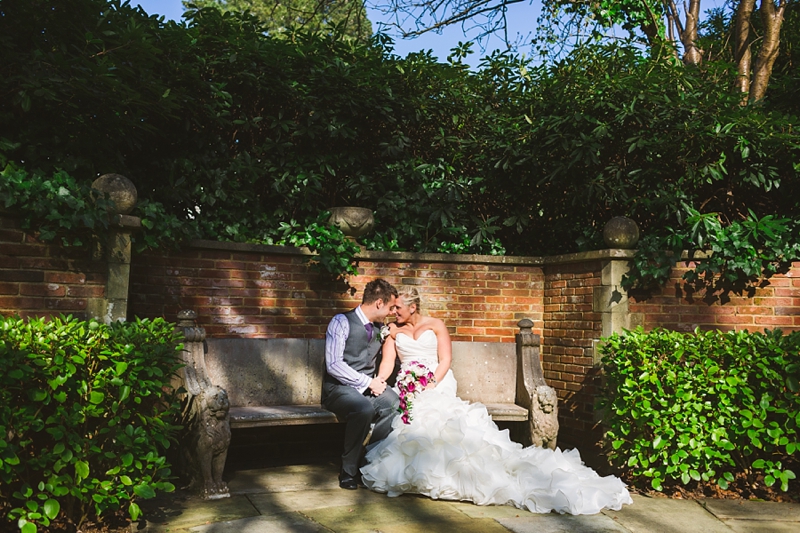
415,338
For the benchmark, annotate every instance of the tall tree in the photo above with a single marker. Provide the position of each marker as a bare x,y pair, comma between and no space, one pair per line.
315,15
655,22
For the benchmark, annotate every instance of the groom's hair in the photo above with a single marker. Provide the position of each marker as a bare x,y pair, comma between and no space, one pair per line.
378,289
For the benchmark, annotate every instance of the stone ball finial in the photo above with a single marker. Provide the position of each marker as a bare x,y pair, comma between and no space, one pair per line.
621,232
119,189
353,221
525,323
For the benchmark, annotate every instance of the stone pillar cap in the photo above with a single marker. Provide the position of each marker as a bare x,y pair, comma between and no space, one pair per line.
119,189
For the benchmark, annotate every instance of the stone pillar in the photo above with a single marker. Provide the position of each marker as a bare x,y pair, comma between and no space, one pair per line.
113,307
610,299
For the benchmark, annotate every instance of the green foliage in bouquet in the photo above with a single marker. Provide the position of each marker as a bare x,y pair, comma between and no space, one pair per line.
86,412
703,407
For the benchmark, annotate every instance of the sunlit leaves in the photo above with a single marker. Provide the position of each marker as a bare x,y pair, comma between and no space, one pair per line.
702,407
86,453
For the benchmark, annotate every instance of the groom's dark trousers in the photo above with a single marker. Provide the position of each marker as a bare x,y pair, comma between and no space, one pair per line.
358,410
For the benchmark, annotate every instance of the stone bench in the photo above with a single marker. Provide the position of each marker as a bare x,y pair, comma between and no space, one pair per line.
278,382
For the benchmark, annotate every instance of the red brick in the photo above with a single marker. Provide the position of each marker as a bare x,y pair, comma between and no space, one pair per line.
65,304
194,264
35,250
775,320
9,288
11,235
18,302
484,338
739,319
41,289
65,277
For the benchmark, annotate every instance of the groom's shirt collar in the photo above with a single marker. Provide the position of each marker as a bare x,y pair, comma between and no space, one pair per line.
361,316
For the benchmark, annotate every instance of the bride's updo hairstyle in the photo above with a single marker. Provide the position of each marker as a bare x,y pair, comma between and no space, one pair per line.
410,295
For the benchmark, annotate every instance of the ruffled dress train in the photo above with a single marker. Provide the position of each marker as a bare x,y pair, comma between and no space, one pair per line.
452,450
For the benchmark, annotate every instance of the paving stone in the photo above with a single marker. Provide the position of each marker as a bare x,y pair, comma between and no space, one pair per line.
554,523
281,523
307,500
285,479
406,514
752,510
762,526
662,515
181,513
490,511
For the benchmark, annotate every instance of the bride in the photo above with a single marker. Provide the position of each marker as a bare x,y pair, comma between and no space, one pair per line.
452,450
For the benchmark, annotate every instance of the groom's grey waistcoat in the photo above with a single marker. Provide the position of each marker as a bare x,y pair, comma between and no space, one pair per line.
359,353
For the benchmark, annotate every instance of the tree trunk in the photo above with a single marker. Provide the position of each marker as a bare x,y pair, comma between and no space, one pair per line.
772,18
692,55
687,33
741,46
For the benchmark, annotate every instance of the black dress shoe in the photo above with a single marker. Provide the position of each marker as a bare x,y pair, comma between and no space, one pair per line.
346,481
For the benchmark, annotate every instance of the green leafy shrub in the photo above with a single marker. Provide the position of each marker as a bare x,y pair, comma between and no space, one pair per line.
86,411
59,207
703,407
735,257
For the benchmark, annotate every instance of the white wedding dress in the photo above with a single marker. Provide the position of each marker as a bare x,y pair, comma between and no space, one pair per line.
453,451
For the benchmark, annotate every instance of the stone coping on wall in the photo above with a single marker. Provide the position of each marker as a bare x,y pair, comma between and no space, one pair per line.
370,255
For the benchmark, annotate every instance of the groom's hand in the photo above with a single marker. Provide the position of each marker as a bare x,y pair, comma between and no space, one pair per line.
377,385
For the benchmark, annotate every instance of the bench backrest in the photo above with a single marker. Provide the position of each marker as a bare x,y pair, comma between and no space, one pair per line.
264,372
486,372
258,372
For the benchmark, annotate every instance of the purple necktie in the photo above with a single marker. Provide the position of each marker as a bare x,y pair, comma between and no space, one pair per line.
368,325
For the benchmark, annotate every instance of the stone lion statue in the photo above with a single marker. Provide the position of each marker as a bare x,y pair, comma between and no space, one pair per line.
544,417
206,442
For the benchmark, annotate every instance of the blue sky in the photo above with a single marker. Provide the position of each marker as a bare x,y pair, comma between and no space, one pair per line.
522,18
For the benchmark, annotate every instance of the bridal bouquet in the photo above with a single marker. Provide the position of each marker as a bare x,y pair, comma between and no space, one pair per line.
412,379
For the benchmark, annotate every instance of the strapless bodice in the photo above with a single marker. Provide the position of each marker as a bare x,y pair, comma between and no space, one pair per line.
424,349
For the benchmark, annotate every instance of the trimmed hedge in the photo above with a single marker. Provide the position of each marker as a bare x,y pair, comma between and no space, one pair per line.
702,407
86,411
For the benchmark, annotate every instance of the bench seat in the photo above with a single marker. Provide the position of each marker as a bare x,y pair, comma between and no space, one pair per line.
280,415
298,415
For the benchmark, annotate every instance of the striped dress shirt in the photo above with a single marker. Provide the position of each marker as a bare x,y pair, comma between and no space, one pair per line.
335,338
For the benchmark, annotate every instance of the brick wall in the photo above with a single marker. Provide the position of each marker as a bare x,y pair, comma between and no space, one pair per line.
570,330
777,305
38,279
241,290
244,290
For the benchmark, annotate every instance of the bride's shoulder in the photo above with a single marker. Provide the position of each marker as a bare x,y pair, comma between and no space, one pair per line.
434,323
439,328
394,329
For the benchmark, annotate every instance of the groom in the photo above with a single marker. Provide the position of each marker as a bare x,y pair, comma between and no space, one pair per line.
350,388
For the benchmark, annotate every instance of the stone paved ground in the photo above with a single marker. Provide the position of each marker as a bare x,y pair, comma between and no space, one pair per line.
306,499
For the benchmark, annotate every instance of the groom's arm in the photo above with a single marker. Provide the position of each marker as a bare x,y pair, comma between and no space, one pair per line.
335,337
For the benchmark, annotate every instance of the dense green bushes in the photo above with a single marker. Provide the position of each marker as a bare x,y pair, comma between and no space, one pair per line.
86,411
232,135
708,407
